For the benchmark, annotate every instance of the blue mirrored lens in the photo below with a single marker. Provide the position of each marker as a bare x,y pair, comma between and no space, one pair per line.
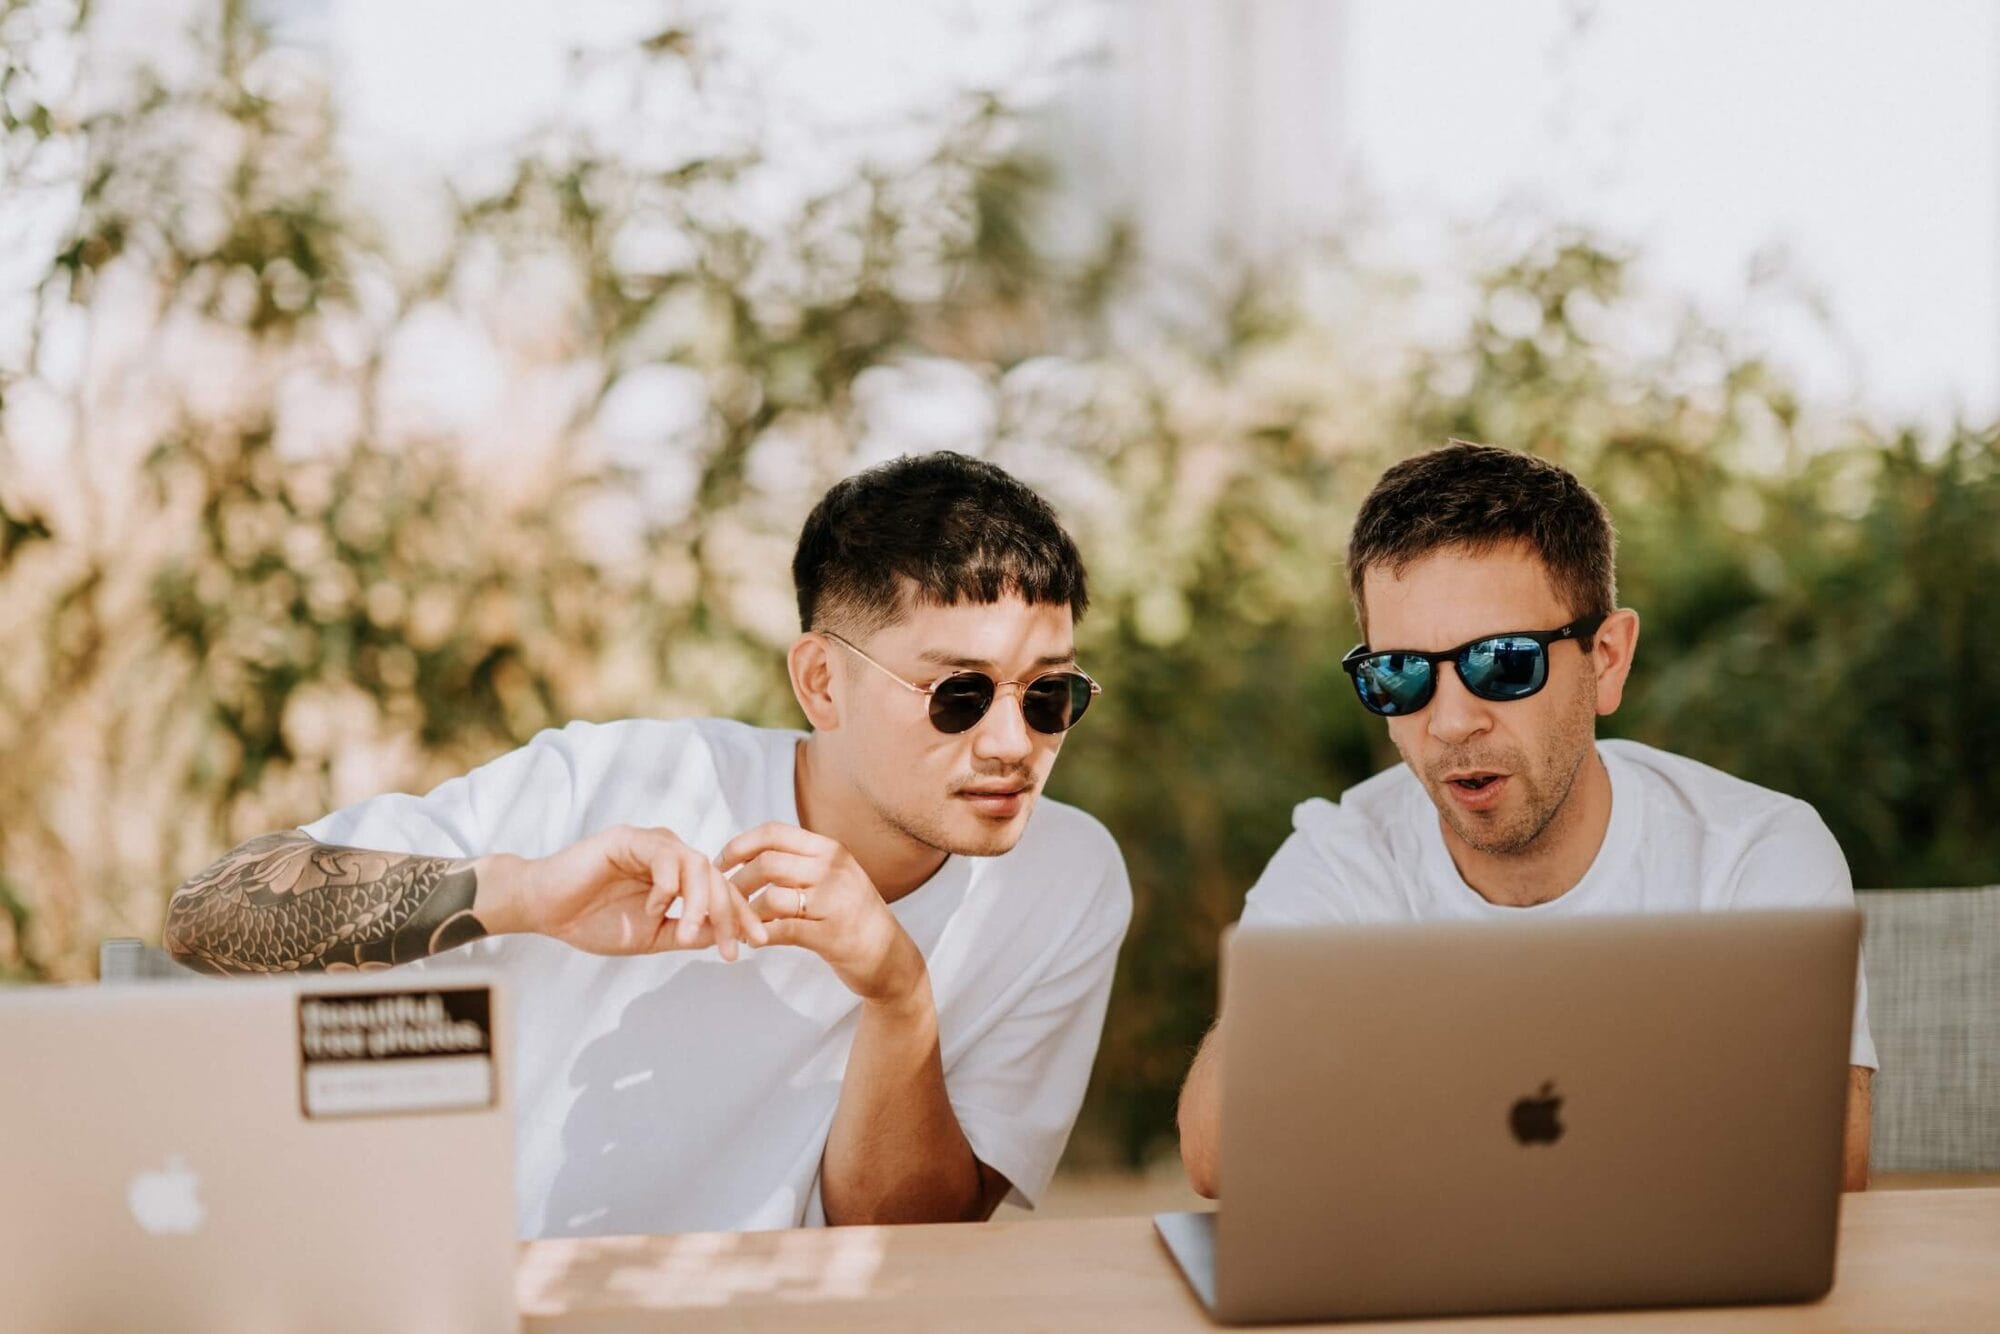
1393,683
1505,667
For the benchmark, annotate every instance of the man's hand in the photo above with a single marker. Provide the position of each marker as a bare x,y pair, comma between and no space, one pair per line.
609,894
816,896
895,1152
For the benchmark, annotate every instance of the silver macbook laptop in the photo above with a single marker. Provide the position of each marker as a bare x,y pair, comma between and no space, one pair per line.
1484,1117
333,1154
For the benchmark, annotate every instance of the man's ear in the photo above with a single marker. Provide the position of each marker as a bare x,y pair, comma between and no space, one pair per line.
810,663
1613,646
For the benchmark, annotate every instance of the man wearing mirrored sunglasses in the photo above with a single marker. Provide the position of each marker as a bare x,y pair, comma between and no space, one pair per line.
1483,581
907,1037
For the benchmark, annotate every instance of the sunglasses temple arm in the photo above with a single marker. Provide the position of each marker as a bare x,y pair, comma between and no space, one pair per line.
910,686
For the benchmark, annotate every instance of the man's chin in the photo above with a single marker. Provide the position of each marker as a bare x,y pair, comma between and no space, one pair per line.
962,829
972,834
1492,835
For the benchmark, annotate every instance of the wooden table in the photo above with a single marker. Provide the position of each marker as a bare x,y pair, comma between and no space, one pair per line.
1909,1260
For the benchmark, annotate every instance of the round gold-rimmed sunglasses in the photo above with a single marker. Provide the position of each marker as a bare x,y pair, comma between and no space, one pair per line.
1050,703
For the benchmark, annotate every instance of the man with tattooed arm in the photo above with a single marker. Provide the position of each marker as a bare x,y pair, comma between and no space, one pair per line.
766,978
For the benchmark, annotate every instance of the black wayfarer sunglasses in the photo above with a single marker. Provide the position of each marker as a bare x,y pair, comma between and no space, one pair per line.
1394,682
1050,703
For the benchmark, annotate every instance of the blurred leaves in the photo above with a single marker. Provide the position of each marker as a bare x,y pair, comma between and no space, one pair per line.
1812,621
269,574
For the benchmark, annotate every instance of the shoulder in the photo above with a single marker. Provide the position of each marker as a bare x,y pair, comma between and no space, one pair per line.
648,736
1368,811
1720,804
571,781
1754,844
653,747
1346,860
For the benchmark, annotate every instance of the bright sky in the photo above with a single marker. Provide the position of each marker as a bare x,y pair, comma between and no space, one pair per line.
1860,142
1862,139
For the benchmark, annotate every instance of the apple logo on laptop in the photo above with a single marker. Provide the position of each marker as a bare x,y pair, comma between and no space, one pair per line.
164,1201
1534,1119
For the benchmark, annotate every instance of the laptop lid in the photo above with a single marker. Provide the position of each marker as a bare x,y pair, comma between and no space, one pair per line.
327,1154
1481,1117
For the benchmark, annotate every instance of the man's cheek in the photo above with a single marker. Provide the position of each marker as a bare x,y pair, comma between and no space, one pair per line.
1408,736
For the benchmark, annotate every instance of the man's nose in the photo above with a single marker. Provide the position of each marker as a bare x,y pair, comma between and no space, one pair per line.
1456,714
1003,733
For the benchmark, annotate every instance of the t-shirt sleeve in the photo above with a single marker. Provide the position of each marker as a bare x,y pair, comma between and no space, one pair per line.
494,808
1306,881
1795,862
1017,1089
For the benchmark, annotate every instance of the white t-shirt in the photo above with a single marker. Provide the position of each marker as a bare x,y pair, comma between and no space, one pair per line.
675,1092
1683,838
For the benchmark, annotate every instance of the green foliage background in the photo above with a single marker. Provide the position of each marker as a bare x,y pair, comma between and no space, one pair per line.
220,632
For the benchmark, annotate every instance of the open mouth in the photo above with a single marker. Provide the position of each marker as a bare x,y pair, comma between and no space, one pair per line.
1476,789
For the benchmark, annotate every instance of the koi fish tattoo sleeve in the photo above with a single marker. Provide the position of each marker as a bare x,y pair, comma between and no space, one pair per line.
285,903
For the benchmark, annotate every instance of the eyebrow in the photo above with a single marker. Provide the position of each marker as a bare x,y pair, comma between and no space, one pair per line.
942,658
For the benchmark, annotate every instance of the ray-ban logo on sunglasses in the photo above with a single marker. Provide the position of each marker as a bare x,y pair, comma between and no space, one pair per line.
1515,665
1050,703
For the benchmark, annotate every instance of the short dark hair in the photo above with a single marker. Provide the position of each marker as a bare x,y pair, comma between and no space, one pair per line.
957,529
1480,497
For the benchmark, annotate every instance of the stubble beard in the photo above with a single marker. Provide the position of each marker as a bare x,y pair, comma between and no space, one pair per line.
929,829
1541,809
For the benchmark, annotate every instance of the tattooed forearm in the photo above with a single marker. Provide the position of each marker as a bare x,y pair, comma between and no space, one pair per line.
282,903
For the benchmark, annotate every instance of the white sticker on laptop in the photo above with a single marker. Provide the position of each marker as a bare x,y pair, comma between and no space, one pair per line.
383,1053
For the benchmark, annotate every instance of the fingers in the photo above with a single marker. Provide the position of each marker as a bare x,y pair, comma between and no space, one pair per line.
780,903
774,917
654,854
753,925
699,912
749,927
705,903
713,911
676,871
790,932
774,836
663,868
729,912
778,868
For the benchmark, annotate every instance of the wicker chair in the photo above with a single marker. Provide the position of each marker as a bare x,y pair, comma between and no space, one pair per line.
1932,958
